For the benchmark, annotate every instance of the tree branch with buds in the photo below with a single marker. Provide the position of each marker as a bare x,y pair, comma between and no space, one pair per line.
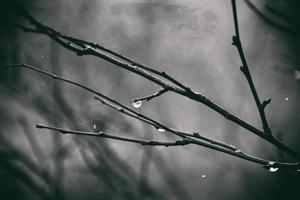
167,84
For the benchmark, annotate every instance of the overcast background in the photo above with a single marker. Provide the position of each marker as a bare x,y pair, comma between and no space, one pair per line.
190,40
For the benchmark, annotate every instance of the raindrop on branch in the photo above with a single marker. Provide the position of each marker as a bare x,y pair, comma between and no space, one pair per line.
203,175
286,98
137,104
270,167
273,169
161,130
237,151
95,126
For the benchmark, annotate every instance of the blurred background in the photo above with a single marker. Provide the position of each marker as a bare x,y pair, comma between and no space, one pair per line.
190,40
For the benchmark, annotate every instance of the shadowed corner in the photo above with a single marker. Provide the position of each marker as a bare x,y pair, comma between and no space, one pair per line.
285,21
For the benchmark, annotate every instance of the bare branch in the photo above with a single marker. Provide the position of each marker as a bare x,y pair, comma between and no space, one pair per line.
245,69
212,144
148,98
184,141
168,83
80,48
120,138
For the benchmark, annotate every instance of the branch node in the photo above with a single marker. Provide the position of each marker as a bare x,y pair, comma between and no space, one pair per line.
196,134
242,68
39,126
227,115
235,41
265,103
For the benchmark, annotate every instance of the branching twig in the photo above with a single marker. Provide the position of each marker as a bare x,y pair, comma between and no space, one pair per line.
245,69
184,141
194,138
81,47
132,113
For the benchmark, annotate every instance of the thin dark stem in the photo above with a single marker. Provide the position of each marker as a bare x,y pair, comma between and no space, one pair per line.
149,97
81,47
245,69
120,138
134,68
130,112
184,141
194,138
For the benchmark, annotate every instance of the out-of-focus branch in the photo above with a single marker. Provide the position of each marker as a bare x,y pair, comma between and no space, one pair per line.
287,29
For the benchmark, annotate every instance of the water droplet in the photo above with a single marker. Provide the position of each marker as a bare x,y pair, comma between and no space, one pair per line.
95,126
271,163
286,98
203,175
42,56
161,130
137,104
237,151
273,169
270,167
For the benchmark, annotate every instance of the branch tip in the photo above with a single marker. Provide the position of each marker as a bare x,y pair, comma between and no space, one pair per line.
265,103
39,126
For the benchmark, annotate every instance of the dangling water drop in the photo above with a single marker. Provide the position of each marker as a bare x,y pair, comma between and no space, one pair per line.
273,169
203,175
95,126
270,167
161,130
137,104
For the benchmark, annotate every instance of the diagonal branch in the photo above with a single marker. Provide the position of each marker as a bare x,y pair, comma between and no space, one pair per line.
194,138
120,138
80,48
185,141
149,97
130,112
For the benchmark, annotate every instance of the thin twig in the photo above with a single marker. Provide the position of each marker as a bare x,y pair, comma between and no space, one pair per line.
245,69
212,144
134,67
86,48
132,113
120,138
184,141
149,97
